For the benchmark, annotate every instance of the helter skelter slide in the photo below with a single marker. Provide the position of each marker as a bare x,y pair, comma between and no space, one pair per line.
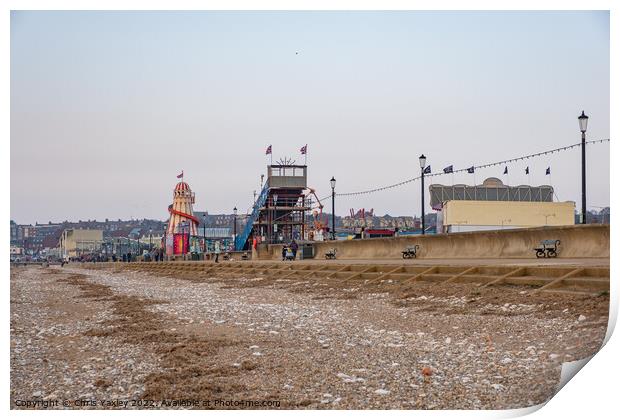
182,223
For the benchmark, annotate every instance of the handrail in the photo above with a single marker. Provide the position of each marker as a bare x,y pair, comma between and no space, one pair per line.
262,198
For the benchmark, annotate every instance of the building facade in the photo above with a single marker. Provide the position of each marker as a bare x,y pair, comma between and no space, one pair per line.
76,242
467,215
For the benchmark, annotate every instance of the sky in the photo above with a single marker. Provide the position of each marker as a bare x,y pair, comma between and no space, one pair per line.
108,107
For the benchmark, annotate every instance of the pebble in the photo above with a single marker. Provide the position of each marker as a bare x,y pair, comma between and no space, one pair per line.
390,343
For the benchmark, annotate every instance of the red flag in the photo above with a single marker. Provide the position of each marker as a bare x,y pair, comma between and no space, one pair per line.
180,175
304,149
268,152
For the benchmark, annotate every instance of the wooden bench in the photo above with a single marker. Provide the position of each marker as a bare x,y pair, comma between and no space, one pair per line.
330,254
548,248
411,252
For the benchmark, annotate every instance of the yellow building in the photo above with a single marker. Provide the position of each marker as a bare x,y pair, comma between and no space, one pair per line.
75,242
470,215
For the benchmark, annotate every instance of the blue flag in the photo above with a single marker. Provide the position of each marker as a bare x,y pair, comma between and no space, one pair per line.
470,170
505,170
548,171
448,170
527,170
427,170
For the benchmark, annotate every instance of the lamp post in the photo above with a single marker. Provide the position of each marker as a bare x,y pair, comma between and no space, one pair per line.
150,239
583,126
422,168
204,233
333,184
235,228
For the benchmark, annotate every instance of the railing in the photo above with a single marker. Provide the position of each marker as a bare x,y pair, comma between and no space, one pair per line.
260,202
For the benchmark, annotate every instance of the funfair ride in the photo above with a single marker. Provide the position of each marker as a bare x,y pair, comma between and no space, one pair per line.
182,223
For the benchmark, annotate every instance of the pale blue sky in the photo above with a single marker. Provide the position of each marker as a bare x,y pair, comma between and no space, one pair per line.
107,107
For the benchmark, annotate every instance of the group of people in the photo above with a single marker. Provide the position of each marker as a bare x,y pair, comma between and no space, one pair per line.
292,248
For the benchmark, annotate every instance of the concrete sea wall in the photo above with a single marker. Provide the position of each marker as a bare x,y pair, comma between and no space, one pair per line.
577,241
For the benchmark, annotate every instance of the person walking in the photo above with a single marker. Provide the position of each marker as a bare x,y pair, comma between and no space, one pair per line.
217,250
294,248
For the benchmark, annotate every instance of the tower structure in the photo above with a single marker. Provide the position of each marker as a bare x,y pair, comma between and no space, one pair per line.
182,223
279,213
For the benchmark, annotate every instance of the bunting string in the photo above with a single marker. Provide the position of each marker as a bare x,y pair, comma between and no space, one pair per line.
486,165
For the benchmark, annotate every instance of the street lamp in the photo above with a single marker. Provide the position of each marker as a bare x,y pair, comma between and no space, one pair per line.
422,168
235,228
583,126
333,184
204,233
151,239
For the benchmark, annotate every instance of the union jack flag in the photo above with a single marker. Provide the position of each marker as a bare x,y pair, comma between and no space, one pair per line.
304,149
268,152
180,175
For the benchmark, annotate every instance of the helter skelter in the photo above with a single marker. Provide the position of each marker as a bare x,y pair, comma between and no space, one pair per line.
182,223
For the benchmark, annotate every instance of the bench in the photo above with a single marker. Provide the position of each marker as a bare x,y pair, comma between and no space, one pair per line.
411,252
548,248
330,254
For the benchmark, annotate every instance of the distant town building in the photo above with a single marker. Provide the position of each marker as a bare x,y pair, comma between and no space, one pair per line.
493,205
466,216
75,242
16,252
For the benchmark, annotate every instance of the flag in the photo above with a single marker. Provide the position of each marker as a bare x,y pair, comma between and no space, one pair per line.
180,175
470,170
268,151
448,170
505,170
304,149
548,171
427,170
527,170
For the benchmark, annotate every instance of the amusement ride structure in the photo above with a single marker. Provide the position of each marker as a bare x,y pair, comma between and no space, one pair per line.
182,223
279,213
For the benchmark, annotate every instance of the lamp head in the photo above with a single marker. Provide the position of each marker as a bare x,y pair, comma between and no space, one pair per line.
583,122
